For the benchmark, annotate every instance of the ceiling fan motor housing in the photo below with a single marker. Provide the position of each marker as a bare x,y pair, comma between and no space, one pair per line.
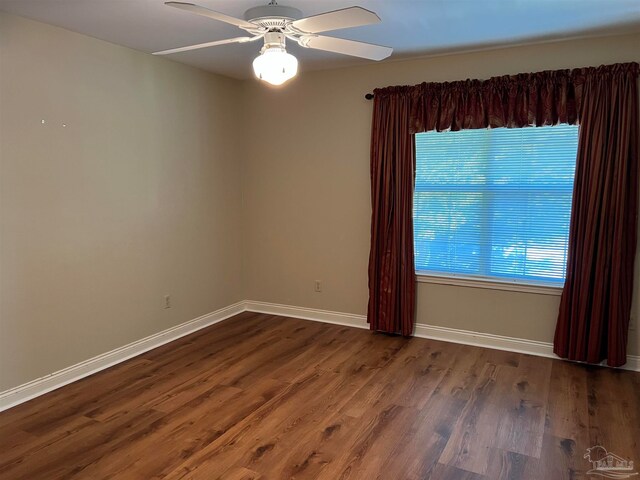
272,16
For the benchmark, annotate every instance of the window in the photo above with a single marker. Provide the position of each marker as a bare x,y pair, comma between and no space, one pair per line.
495,204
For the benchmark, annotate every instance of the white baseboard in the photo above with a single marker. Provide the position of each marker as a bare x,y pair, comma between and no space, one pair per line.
445,334
486,340
40,386
633,363
325,316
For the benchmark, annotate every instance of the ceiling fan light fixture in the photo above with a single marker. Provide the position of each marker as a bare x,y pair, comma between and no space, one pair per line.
274,65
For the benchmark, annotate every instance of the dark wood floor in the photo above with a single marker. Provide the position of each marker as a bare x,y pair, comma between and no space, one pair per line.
267,397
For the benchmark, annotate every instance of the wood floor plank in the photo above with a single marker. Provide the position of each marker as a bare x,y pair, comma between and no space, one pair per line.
416,454
506,465
567,407
268,397
474,433
464,365
67,401
522,396
257,437
320,447
613,403
20,446
353,462
74,453
409,379
179,434
560,459
240,474
446,472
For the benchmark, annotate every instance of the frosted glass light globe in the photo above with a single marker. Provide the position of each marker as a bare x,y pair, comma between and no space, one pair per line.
275,66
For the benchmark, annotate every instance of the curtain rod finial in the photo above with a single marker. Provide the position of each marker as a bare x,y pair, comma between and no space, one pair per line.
369,96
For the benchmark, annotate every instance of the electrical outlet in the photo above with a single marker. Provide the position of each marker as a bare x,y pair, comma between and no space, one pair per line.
167,301
318,286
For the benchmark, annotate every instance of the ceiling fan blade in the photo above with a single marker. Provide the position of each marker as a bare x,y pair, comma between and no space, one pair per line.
347,47
205,12
204,45
337,19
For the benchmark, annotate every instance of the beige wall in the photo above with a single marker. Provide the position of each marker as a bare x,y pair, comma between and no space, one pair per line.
306,187
138,197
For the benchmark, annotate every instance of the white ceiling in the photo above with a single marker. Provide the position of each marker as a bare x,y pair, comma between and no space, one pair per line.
411,27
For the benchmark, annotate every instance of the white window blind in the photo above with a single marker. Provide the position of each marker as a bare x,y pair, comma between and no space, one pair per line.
495,203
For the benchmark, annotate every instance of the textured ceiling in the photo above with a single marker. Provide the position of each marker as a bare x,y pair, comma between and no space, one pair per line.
411,27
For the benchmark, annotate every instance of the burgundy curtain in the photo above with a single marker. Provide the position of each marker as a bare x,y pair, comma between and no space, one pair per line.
593,321
392,281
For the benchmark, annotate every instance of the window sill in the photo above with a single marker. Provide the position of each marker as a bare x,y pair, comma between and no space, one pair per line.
423,277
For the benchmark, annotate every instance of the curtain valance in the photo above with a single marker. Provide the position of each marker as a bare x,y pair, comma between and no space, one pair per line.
527,99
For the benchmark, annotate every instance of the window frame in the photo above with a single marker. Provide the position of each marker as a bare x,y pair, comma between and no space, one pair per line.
539,288
493,283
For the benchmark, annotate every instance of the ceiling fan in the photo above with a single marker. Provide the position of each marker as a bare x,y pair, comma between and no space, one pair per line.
274,23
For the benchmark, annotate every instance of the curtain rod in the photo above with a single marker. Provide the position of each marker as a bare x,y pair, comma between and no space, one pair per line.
369,96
